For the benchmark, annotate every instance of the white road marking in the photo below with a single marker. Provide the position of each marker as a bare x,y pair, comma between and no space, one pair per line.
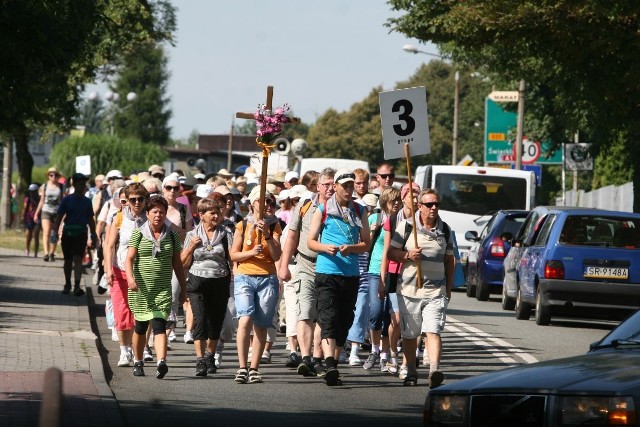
498,347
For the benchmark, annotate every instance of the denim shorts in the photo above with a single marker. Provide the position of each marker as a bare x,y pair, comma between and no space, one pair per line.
256,297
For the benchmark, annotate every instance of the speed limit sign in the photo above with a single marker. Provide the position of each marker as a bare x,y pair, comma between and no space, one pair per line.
531,151
403,114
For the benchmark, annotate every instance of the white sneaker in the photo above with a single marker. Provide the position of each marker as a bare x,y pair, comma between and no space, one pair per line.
147,355
403,372
124,359
218,359
355,361
383,365
266,357
172,337
114,335
392,367
188,337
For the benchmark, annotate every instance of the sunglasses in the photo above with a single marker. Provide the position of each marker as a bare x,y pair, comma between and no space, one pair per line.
387,175
135,200
429,205
172,188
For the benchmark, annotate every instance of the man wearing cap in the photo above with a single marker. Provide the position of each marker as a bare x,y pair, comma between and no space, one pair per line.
77,213
302,272
157,172
291,179
199,177
225,174
345,234
278,180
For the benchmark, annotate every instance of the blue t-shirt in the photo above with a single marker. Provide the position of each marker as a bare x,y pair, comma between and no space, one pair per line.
335,231
78,210
378,246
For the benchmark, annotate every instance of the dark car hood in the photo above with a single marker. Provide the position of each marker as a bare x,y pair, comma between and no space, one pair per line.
603,371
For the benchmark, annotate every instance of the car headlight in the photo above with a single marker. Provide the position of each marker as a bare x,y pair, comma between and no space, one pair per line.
594,410
449,410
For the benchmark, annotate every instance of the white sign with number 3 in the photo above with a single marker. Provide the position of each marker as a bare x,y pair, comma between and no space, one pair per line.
403,114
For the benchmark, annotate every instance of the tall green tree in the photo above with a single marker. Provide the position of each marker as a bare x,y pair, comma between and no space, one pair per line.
144,72
579,59
91,115
49,50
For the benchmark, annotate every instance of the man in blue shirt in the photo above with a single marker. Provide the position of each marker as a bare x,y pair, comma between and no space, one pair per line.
339,232
77,213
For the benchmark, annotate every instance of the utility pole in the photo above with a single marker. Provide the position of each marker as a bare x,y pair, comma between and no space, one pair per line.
5,200
456,106
519,126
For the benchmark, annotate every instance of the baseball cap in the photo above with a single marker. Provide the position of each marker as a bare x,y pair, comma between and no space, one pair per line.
370,200
199,176
114,174
344,176
284,194
291,175
203,191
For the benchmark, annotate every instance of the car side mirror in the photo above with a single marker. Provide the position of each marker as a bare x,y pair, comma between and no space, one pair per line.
471,236
506,236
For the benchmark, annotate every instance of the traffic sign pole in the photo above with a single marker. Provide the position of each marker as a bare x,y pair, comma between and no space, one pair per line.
520,125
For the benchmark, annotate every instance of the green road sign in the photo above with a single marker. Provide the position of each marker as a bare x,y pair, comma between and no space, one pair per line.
499,133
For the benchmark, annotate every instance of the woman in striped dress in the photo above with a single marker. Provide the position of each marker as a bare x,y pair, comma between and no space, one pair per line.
153,254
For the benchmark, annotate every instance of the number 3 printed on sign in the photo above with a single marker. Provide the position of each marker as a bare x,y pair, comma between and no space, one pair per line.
405,115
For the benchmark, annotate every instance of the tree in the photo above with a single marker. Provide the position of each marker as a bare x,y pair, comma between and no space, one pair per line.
578,58
107,153
144,72
91,115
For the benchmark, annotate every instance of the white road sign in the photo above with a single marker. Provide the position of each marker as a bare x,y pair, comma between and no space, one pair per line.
504,96
403,114
83,165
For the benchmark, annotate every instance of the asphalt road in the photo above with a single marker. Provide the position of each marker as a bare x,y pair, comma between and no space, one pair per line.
479,338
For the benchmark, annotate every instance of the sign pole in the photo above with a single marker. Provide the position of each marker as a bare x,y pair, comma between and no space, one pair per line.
413,214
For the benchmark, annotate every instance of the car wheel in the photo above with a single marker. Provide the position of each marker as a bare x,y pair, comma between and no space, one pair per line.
523,309
507,303
543,311
471,290
482,290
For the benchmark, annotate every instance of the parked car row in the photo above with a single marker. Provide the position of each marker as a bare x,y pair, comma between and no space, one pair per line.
558,261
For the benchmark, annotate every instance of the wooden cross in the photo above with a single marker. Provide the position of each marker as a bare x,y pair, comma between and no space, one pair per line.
265,154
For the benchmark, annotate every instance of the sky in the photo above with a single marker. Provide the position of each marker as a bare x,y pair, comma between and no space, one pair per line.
317,55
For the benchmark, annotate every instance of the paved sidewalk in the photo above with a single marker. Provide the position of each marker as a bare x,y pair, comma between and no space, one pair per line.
42,328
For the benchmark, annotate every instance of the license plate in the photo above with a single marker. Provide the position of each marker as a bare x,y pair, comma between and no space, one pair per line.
606,272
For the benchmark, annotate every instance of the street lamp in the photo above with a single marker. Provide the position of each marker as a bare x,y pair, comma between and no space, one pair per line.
454,144
113,98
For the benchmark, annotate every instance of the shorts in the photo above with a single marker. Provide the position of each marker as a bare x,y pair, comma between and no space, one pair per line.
337,297
418,315
74,246
305,287
256,297
49,216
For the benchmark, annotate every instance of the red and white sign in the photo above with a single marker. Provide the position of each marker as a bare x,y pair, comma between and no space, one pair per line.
531,151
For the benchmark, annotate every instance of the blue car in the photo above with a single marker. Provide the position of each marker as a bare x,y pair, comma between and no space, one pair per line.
485,261
581,262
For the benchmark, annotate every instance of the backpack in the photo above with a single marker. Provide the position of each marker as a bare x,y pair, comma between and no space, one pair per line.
357,207
408,228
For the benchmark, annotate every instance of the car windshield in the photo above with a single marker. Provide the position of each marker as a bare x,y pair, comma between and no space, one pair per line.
586,230
478,195
627,332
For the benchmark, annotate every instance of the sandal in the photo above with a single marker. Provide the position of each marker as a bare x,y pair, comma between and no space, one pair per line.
241,376
254,376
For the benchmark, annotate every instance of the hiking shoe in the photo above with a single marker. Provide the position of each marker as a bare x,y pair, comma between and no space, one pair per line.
355,361
138,369
318,367
241,376
162,370
293,361
331,377
306,370
371,361
201,367
410,380
435,379
266,357
211,364
188,337
254,376
383,365
66,290
147,355
403,372
124,360
78,291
